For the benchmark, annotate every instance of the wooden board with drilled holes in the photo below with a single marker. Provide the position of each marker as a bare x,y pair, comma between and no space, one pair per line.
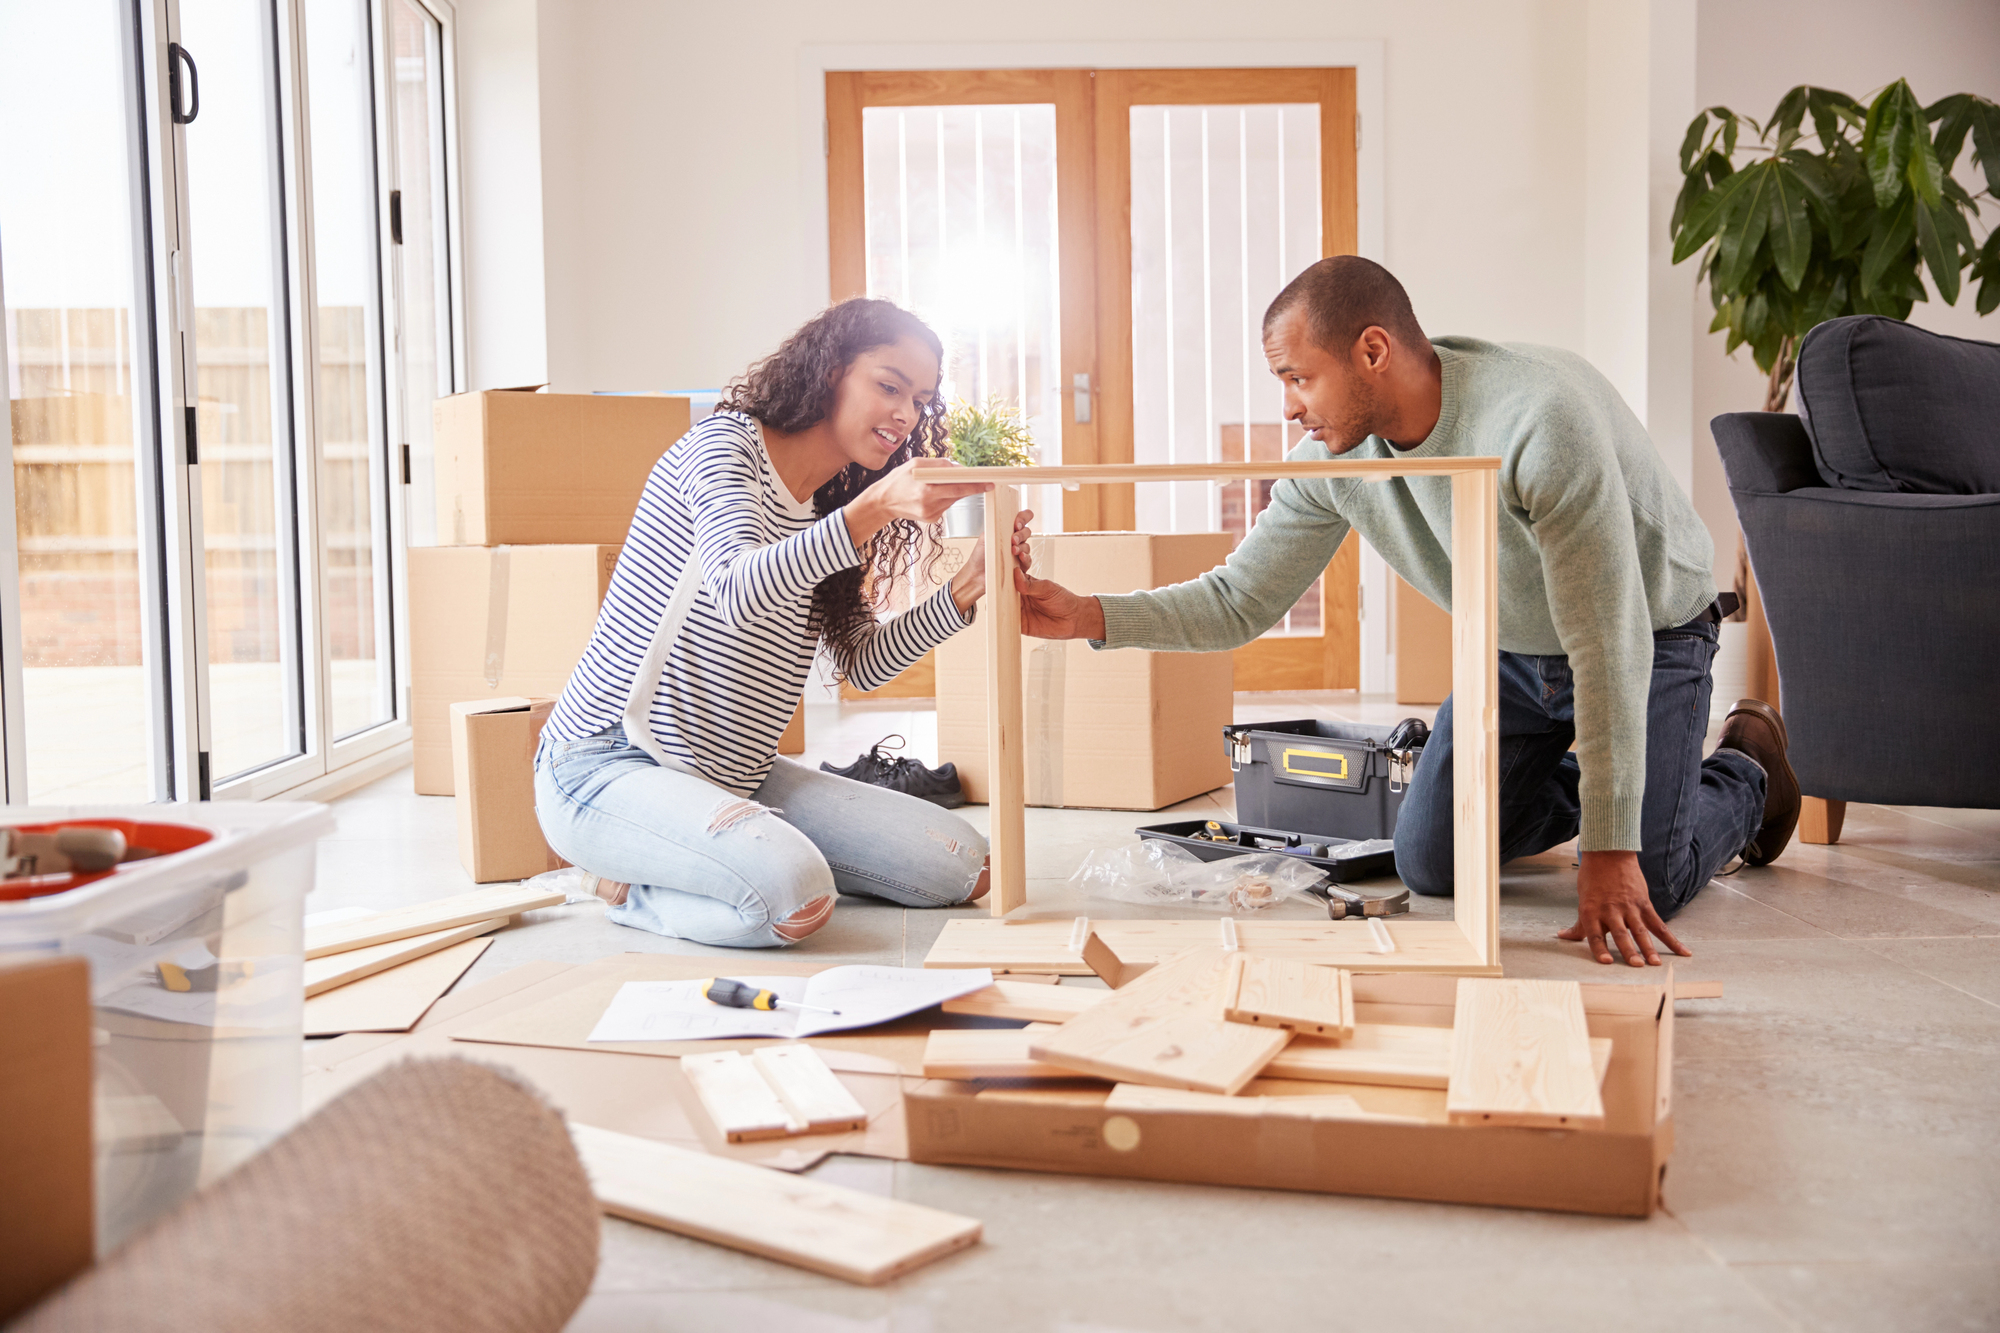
1395,1054
808,1089
1028,1002
323,974
743,1106
1305,998
423,918
1520,1055
844,1233
1045,946
1164,1029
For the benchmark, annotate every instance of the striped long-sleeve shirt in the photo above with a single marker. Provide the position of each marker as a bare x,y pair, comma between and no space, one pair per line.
740,662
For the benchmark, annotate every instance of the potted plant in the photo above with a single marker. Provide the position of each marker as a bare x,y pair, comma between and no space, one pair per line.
1796,235
988,434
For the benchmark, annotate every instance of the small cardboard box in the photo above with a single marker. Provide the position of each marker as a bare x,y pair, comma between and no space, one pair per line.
46,1194
1123,730
1617,1170
493,772
515,466
490,621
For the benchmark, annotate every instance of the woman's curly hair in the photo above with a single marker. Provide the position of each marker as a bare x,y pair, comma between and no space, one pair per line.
793,389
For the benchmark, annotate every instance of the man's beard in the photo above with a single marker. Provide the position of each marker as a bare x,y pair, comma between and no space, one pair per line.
1359,415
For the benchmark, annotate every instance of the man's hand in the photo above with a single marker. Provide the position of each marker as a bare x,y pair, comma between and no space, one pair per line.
1612,903
1051,611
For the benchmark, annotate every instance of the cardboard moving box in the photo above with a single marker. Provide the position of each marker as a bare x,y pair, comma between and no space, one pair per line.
1408,1150
493,773
492,621
515,466
47,1209
1125,730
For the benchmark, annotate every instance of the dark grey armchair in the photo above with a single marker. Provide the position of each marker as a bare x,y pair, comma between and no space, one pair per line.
1872,520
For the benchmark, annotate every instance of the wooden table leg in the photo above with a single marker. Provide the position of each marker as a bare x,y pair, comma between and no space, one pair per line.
1475,705
1006,789
1820,819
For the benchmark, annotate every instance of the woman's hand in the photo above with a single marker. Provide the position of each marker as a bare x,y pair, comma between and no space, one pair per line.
969,584
908,493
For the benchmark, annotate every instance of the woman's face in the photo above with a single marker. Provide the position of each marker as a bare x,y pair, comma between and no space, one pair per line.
878,401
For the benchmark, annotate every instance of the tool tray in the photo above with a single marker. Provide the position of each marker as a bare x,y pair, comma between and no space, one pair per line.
1249,839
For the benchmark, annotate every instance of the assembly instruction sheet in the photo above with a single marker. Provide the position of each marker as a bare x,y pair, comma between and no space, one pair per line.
864,995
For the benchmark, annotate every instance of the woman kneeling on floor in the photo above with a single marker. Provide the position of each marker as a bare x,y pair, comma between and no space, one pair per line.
756,541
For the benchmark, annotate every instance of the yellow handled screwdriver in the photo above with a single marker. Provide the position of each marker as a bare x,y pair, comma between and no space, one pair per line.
721,990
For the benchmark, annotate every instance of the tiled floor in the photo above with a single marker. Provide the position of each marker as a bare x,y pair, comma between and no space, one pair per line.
1836,1115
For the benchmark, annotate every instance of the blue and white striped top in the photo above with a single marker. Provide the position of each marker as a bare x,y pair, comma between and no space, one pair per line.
741,660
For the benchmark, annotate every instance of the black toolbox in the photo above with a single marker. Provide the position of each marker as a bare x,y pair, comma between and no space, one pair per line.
1323,779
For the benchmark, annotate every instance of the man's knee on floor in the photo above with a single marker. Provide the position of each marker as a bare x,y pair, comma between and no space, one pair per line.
1427,865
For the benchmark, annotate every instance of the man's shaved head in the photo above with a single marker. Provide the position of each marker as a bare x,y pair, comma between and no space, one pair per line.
1342,296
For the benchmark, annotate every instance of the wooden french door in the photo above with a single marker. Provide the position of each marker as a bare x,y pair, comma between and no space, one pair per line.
1216,151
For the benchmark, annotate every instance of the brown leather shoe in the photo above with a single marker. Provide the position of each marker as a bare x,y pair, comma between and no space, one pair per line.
1754,728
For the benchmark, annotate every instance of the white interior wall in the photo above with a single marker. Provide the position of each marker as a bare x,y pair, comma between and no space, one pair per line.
1749,55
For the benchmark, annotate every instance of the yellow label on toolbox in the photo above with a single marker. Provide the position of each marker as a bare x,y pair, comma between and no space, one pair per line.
1338,774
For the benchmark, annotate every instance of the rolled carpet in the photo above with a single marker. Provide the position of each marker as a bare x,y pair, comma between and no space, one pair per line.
439,1194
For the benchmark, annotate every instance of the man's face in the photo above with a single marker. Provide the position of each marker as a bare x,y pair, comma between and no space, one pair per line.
1324,391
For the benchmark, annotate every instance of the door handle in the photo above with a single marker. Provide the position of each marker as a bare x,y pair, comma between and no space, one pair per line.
1080,383
177,55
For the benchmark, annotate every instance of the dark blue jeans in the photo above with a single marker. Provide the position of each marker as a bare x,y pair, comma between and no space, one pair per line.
1696,814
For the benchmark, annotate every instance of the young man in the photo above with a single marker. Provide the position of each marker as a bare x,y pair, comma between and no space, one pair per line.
1608,610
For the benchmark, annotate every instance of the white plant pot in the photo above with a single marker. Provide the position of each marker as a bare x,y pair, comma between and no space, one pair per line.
966,518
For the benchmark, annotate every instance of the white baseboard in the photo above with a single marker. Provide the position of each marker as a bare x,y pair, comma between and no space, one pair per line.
332,786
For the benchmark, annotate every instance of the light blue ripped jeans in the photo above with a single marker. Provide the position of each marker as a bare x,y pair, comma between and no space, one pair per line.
706,865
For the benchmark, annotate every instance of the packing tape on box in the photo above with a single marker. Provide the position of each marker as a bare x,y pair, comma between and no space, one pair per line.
1043,690
496,617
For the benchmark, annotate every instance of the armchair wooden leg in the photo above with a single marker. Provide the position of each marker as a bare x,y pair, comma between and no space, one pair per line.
1820,819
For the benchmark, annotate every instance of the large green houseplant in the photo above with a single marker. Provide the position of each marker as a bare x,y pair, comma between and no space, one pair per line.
1834,209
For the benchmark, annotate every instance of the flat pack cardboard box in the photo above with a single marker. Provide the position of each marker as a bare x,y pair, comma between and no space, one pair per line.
1423,647
493,775
1064,1128
1124,730
492,621
516,466
47,1228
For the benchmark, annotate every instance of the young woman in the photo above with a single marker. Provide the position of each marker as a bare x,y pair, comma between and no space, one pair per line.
755,542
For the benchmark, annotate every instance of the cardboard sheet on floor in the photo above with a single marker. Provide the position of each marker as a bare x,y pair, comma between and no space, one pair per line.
392,1000
565,1018
632,1094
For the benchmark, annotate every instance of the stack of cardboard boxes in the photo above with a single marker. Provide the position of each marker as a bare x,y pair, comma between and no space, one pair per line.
535,494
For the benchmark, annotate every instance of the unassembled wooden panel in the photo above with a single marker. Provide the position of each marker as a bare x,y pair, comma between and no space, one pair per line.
1389,1053
441,914
742,1105
1166,1029
1028,1001
809,1089
1045,946
1139,1097
1007,834
392,1000
1475,683
1282,992
843,1233
323,974
1520,1055
983,1053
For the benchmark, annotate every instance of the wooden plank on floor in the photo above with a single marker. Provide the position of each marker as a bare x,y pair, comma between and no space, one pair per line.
1305,998
1044,946
844,1233
809,1089
323,974
1520,1055
394,1000
1165,1029
440,914
985,1053
743,1106
1027,1001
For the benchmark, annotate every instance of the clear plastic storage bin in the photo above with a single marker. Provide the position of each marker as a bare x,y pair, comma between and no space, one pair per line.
189,1083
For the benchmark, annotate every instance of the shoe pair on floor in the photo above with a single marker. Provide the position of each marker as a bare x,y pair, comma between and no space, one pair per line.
938,785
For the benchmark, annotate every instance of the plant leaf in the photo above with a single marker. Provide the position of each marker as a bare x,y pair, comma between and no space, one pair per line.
1940,254
1888,241
1986,142
1987,269
1925,171
1692,143
1785,120
1705,214
1954,116
1886,141
1741,232
1790,230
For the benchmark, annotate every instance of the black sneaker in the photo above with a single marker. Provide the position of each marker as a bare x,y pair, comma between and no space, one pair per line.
937,785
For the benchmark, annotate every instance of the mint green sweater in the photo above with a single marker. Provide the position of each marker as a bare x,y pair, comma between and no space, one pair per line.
1598,549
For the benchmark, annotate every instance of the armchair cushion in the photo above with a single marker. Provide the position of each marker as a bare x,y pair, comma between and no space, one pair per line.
1892,407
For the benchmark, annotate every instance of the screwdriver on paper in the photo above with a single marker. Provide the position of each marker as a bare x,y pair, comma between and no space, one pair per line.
721,990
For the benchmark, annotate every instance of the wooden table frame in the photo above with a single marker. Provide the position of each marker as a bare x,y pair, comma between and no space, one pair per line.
1475,683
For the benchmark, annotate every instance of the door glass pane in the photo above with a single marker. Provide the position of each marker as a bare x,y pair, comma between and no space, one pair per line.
961,218
353,471
421,267
72,326
243,413
1225,212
